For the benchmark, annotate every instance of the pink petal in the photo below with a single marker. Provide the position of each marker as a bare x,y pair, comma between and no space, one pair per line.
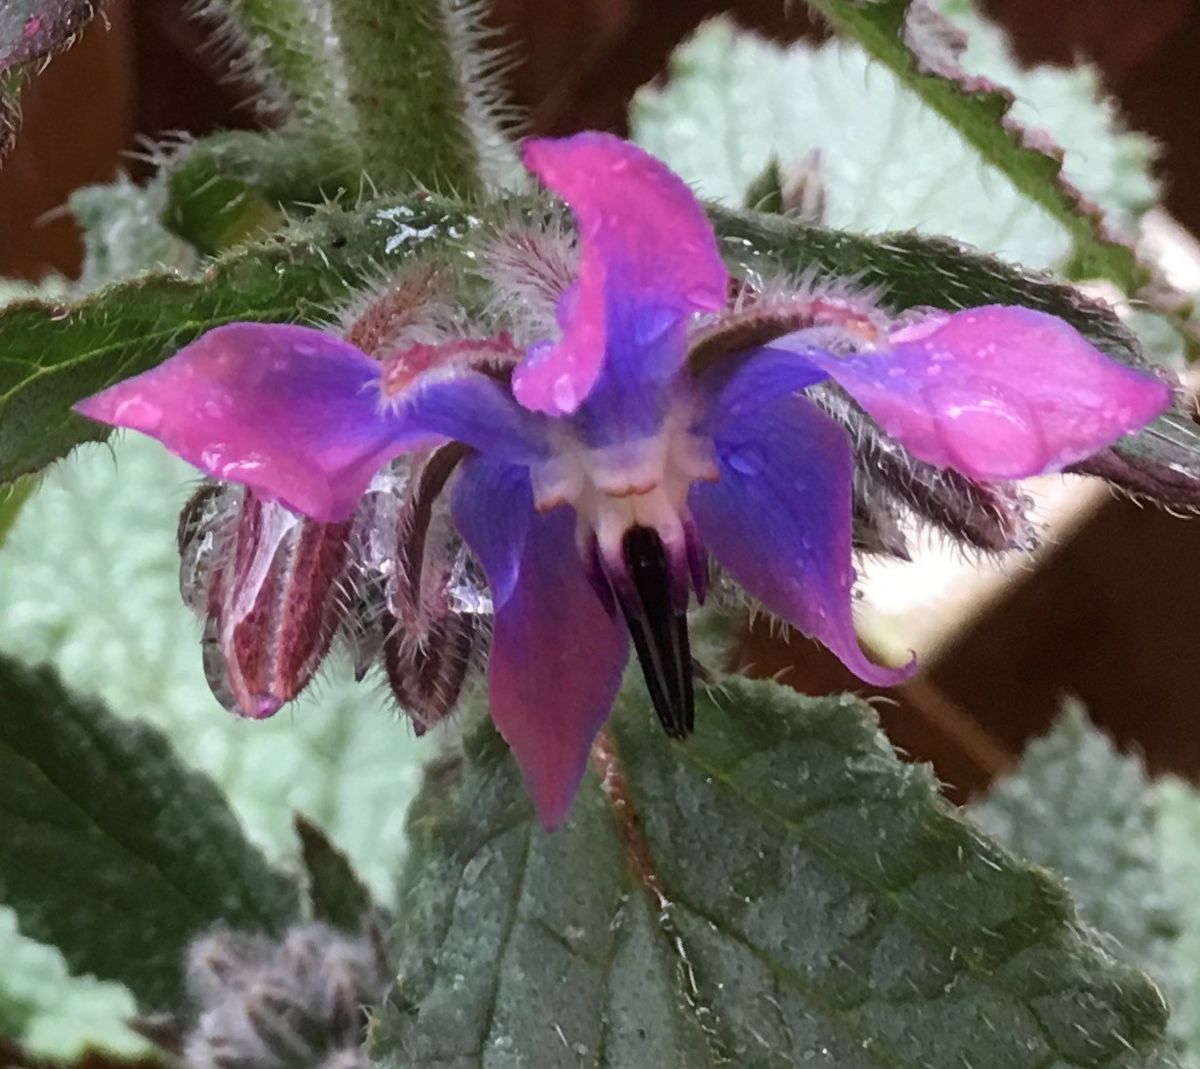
557,656
290,411
649,259
298,415
997,392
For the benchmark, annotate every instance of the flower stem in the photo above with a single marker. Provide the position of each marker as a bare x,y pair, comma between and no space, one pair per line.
406,90
288,51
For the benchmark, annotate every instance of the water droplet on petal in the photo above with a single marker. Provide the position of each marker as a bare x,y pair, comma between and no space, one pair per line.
991,435
745,459
138,413
654,323
565,394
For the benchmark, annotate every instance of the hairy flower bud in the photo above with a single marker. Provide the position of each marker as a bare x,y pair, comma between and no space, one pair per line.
294,1005
438,607
1158,466
266,584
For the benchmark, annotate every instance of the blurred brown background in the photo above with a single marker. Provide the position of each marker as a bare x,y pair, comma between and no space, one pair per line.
1110,617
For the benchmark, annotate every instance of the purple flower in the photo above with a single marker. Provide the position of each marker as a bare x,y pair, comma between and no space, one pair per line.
605,467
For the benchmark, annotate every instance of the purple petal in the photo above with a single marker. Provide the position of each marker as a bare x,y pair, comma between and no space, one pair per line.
779,516
297,414
736,387
997,392
557,656
649,259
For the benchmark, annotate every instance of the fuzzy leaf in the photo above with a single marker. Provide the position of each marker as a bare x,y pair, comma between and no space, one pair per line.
32,31
1128,849
735,102
57,1015
904,36
12,497
1079,807
778,890
122,235
1178,806
335,893
99,811
90,582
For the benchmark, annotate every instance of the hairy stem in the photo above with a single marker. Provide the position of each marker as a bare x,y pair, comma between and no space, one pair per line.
407,94
286,49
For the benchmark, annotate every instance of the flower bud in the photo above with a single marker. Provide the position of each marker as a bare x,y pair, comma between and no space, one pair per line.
438,606
293,1005
266,582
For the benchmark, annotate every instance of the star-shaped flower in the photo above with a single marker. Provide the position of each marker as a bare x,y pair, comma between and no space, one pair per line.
605,467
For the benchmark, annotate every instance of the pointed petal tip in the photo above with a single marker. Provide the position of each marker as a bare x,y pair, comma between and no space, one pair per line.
557,656
551,768
553,807
877,675
265,706
123,405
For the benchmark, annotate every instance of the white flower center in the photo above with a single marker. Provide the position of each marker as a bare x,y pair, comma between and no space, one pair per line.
642,482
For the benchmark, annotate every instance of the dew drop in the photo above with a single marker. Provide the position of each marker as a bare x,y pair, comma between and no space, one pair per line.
138,413
565,394
745,459
654,323
996,435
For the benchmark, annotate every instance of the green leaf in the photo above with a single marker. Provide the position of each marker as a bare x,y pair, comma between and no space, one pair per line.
735,101
901,34
235,185
1128,848
57,1015
111,849
1110,163
765,192
90,582
1079,807
30,32
12,497
54,354
335,893
912,271
122,235
1178,806
779,890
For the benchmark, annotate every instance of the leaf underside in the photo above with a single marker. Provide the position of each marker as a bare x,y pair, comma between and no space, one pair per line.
99,810
870,154
1081,808
779,890
336,895
908,37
